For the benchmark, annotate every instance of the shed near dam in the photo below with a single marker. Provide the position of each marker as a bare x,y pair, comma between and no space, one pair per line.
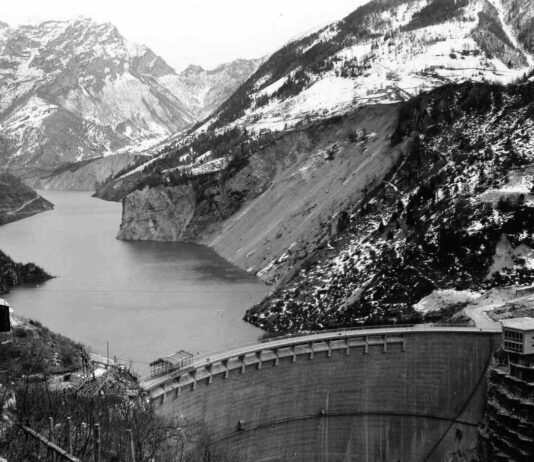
391,394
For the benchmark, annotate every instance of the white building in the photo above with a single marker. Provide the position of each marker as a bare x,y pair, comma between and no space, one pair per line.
518,335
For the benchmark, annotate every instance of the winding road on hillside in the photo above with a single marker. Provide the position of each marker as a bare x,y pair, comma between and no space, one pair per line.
24,205
480,316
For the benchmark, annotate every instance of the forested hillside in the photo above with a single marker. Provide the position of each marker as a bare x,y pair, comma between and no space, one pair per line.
456,213
13,274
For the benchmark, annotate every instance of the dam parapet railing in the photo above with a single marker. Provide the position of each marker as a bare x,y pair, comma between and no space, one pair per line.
206,366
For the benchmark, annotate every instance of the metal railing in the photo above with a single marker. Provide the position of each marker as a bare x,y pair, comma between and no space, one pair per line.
359,328
212,357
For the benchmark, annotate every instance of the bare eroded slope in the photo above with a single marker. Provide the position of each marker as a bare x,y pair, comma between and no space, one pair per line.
315,174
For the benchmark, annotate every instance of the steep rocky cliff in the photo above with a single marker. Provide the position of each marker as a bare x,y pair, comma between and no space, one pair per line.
357,217
160,214
18,200
279,204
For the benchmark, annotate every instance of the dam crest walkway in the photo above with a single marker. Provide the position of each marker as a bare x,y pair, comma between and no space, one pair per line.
307,344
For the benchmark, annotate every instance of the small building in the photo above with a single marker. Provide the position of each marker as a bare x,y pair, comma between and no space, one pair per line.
518,335
178,360
518,342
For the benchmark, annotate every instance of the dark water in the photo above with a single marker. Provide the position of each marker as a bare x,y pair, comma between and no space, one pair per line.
147,299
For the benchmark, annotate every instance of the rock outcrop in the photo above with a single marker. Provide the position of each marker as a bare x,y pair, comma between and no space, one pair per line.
159,214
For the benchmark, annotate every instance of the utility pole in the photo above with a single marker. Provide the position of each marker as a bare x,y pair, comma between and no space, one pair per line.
69,435
97,443
107,347
51,437
132,447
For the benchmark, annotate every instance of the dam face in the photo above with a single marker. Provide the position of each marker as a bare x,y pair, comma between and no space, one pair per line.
378,395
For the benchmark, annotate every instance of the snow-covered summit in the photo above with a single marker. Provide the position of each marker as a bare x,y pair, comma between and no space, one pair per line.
385,51
205,90
74,90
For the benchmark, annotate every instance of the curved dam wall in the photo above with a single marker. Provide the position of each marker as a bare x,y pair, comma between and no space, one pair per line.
378,395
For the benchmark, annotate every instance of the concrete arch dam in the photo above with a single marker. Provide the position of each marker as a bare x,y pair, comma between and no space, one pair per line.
394,394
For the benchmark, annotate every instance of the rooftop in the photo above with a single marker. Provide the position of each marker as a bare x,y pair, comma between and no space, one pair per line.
174,359
519,323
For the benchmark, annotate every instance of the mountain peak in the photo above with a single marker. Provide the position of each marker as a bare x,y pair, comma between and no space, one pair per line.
192,69
83,20
93,92
239,62
385,51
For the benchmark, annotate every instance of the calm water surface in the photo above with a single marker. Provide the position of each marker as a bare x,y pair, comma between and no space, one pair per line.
148,299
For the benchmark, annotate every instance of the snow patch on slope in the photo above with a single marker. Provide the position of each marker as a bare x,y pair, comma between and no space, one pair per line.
440,299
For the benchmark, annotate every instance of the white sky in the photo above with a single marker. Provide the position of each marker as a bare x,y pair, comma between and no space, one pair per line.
205,32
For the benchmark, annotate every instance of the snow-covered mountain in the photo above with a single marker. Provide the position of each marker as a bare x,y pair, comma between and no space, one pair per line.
205,90
74,90
385,51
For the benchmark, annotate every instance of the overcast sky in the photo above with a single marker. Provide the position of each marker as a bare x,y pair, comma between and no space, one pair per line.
205,32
